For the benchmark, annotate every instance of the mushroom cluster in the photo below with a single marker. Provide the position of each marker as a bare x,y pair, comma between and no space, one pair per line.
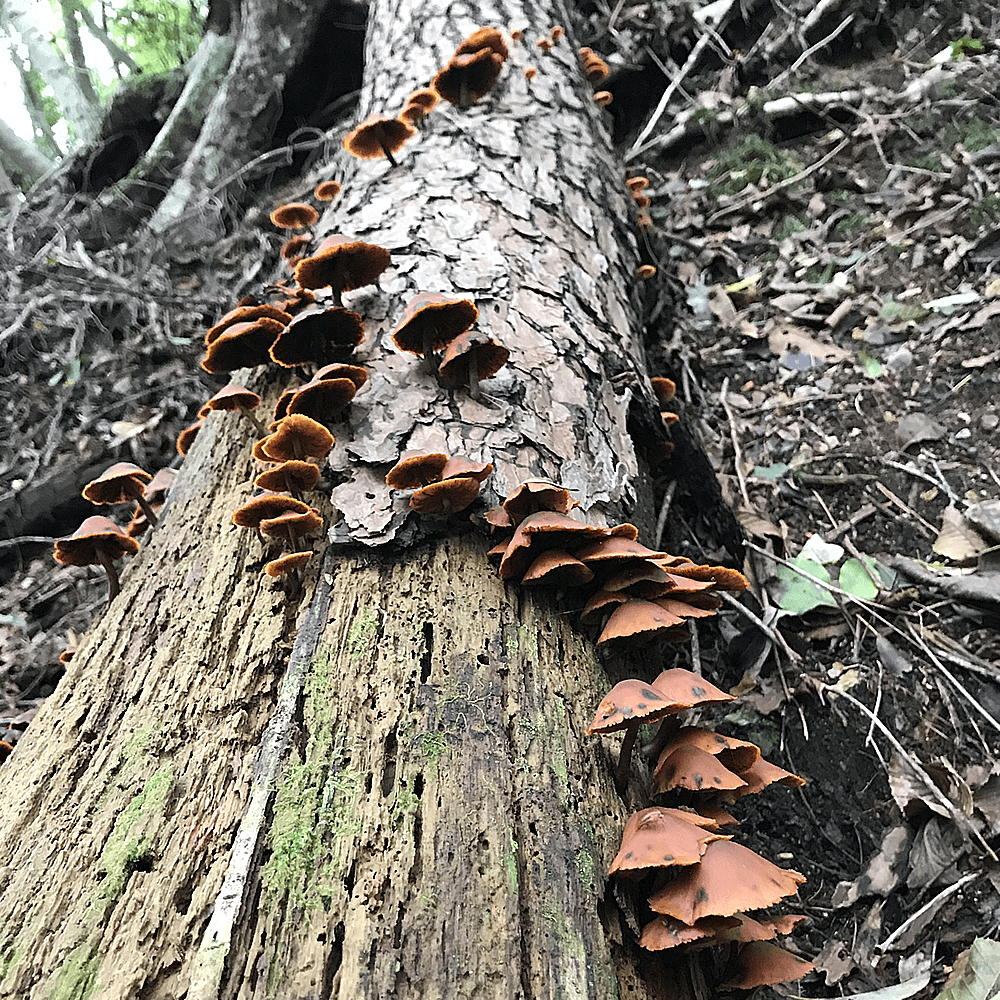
473,70
441,484
99,541
433,323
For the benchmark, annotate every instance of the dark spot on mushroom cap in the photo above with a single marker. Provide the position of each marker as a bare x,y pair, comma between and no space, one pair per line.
652,695
701,895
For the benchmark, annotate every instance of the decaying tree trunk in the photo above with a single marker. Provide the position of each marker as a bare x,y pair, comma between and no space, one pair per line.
378,785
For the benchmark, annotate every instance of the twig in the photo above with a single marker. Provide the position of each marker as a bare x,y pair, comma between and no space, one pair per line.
671,88
885,491
661,520
934,792
10,543
734,437
773,634
23,315
812,50
935,902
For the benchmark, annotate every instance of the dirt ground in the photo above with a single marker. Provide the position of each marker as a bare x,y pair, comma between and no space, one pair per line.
827,299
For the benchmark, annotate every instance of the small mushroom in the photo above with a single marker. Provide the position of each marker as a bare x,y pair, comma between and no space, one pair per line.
468,76
378,136
242,345
97,542
186,437
318,336
602,98
286,564
445,497
761,963
122,482
235,397
628,705
486,37
296,436
416,469
266,507
342,264
294,476
469,359
294,215
247,314
327,190
431,322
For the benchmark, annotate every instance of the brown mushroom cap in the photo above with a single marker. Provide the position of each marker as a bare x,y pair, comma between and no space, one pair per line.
557,569
544,530
97,539
247,314
293,475
728,879
722,577
242,345
342,264
459,465
119,483
295,246
490,38
295,437
664,932
468,76
327,190
637,183
416,470
357,374
629,702
761,963
425,98
665,390
736,755
535,495
300,522
375,136
445,497
762,773
233,397
286,563
156,488
435,320
467,349
294,215
638,623
616,549
318,336
186,437
324,400
599,604
695,769
661,838
265,508
687,689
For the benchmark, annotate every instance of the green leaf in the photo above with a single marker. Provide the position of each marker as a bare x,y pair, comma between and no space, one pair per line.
979,978
902,312
802,595
966,43
872,367
775,471
818,549
856,581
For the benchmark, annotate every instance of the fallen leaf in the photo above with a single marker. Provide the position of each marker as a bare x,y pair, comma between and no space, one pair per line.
958,540
855,580
976,975
884,873
917,427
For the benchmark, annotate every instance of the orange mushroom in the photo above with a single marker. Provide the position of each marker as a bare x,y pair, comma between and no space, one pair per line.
122,482
97,542
378,136
294,215
660,837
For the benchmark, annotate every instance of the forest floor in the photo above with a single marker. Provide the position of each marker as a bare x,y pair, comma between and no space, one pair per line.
827,299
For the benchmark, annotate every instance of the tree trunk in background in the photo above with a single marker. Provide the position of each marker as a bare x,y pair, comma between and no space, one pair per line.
20,157
81,113
378,786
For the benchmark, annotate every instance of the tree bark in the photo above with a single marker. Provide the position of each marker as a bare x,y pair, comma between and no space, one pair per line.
378,785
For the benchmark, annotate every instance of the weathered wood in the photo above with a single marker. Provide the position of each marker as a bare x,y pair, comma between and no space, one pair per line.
441,825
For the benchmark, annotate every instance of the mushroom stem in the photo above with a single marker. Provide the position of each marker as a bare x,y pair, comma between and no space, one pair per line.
288,487
258,426
625,759
429,358
473,376
114,587
388,152
667,728
147,509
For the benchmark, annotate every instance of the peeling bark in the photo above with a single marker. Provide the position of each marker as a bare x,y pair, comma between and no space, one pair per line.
381,789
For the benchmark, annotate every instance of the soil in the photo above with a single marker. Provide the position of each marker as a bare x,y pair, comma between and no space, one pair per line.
826,300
